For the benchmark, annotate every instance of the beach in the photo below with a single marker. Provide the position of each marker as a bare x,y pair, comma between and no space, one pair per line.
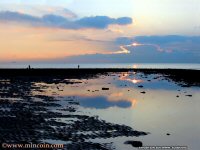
120,108
99,75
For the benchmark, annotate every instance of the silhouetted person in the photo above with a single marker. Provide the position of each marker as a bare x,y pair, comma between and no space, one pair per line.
29,67
78,66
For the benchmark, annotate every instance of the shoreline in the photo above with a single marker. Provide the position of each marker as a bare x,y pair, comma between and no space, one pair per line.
68,71
184,77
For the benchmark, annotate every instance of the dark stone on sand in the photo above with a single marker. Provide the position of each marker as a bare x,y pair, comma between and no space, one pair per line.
177,96
143,92
189,95
168,134
140,86
134,143
105,88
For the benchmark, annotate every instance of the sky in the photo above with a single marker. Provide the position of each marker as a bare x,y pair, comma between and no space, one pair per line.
100,30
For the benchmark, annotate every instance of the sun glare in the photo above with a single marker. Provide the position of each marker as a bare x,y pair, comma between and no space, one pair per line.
135,81
136,44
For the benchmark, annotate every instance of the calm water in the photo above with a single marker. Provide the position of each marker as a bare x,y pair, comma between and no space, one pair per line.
158,111
107,65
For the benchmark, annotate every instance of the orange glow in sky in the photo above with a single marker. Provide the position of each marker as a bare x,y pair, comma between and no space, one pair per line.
30,43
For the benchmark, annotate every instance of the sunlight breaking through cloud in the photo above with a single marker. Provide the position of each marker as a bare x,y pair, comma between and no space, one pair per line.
125,50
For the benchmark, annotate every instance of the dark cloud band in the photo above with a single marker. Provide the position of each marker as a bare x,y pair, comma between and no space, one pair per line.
55,21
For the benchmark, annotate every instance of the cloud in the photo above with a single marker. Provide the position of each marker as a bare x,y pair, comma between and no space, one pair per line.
103,21
56,21
37,2
148,49
167,43
18,17
39,10
124,21
166,39
139,55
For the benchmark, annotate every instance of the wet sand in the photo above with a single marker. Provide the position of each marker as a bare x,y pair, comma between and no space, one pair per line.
30,117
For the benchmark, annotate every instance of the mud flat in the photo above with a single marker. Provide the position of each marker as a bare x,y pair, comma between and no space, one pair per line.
29,117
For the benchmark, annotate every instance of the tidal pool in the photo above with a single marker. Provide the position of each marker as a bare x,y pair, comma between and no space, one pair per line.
152,103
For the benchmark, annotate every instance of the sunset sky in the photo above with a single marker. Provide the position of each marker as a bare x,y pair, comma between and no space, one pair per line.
100,30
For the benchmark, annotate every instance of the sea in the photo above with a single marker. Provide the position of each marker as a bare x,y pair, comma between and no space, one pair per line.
194,66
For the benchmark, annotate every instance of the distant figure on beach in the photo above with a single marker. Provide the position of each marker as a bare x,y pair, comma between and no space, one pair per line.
29,67
78,66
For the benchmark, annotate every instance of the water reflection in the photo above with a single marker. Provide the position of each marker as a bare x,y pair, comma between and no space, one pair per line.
153,111
102,102
90,94
134,103
125,77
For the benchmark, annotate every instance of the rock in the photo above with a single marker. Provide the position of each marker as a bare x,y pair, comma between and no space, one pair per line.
143,92
105,88
177,96
168,134
189,95
134,143
140,86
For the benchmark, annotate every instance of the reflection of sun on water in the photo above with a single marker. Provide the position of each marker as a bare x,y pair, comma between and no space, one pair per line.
115,94
124,77
135,81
